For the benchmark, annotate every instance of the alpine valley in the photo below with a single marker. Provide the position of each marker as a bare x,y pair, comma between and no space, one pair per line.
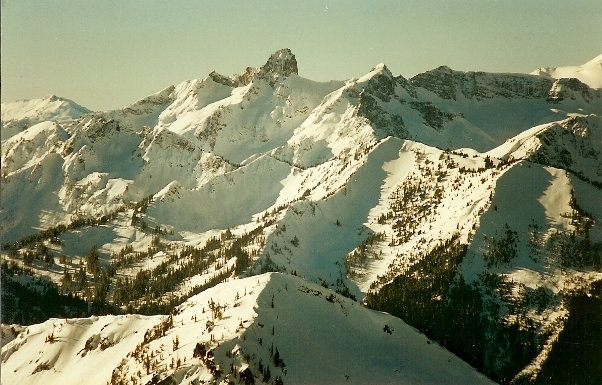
267,228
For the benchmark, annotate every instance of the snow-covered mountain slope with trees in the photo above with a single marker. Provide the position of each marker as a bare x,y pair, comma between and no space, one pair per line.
468,204
271,328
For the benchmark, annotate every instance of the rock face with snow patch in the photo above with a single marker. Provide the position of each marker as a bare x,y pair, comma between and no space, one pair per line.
450,84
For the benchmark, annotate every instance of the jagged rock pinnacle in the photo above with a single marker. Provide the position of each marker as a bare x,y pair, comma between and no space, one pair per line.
281,64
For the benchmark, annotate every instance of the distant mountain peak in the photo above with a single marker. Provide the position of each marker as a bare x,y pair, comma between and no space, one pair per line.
281,64
378,73
444,68
53,97
597,60
219,78
589,73
20,114
381,69
283,61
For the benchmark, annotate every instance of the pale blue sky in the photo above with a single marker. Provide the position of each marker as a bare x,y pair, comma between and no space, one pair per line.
108,53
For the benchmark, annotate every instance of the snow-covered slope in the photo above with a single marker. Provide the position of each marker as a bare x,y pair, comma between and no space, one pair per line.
573,144
258,329
589,73
18,116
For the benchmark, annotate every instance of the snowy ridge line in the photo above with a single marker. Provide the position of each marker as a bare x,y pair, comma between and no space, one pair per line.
589,73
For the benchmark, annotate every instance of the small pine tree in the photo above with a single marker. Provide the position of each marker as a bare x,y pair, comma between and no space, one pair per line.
81,279
92,259
49,260
28,258
66,281
295,241
277,360
488,162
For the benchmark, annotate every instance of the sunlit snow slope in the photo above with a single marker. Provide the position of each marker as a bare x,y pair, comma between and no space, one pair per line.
266,327
589,73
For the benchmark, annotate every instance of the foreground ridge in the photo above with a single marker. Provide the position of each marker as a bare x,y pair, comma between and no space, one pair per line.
239,332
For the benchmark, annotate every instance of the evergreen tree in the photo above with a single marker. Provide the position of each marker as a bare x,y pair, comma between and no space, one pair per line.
277,360
92,259
82,282
28,258
101,286
66,281
49,261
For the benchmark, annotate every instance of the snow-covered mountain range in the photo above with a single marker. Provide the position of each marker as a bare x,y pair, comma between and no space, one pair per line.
468,204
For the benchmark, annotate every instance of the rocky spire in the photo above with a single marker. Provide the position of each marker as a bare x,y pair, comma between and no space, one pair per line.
281,64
